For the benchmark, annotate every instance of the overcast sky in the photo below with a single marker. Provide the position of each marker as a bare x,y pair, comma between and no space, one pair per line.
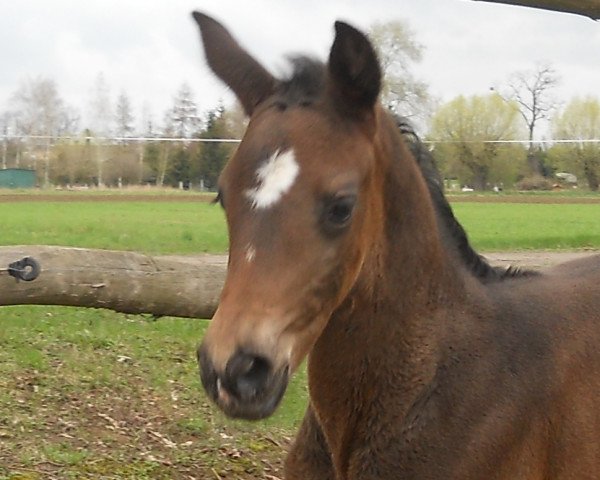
149,48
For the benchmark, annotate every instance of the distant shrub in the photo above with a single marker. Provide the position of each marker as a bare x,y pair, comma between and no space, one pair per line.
534,182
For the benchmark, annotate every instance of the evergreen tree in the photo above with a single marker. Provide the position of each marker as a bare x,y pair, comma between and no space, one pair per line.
213,155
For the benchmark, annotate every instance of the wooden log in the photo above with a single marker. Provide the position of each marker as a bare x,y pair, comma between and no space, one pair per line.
131,282
125,282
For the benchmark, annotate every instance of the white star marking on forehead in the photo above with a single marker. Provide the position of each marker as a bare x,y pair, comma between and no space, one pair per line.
275,178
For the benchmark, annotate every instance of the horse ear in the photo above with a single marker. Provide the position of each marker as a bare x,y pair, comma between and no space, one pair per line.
354,69
231,63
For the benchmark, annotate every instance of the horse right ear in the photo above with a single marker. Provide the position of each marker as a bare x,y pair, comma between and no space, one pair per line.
354,70
251,83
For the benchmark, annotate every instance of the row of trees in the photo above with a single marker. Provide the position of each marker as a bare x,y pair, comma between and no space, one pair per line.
471,136
468,134
41,132
472,142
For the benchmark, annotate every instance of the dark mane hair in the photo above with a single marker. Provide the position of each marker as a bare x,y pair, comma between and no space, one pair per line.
306,84
453,232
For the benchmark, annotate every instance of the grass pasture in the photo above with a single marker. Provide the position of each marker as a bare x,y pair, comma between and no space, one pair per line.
93,394
532,226
190,225
178,227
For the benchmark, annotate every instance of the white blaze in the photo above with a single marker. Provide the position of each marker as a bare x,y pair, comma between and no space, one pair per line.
275,178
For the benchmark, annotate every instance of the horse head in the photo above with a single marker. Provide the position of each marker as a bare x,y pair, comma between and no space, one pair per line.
302,211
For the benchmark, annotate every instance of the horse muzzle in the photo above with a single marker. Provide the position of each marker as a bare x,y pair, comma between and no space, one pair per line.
249,387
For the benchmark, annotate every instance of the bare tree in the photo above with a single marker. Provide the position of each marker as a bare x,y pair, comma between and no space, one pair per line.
37,106
164,153
531,90
182,118
587,8
39,111
124,163
100,114
398,50
99,120
69,121
146,126
124,120
4,123
235,120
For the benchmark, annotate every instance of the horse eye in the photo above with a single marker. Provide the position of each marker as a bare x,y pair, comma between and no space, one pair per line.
339,211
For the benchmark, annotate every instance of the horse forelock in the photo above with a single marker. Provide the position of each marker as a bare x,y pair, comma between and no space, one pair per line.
304,85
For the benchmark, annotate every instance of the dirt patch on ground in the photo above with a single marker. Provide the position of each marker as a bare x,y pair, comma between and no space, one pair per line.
536,259
546,199
182,196
102,197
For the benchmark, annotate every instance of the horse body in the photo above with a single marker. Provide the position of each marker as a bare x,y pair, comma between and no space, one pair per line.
419,366
506,390
485,383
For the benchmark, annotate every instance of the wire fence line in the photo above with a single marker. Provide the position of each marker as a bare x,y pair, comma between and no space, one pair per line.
141,139
90,138
107,160
518,142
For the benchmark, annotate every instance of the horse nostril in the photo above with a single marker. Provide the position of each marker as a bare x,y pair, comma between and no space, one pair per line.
246,375
208,375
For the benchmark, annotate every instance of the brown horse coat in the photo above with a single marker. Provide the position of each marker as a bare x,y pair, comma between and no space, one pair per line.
417,369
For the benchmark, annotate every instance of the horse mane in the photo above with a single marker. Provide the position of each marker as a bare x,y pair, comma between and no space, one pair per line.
305,85
476,263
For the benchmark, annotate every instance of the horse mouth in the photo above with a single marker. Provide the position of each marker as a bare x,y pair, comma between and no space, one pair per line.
248,404
257,409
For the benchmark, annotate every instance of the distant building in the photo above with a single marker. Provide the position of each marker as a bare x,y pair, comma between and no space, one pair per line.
17,178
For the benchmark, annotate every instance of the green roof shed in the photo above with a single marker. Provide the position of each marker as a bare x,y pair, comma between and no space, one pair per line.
17,178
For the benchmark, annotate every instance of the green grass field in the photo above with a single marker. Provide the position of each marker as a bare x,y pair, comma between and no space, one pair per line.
516,226
188,227
92,394
88,393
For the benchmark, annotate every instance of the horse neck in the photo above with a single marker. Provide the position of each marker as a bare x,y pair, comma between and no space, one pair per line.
379,350
407,276
409,269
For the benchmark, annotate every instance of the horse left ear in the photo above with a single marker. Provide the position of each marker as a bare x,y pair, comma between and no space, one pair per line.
248,79
354,69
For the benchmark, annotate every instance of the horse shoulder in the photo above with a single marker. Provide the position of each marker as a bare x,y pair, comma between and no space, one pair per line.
525,350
